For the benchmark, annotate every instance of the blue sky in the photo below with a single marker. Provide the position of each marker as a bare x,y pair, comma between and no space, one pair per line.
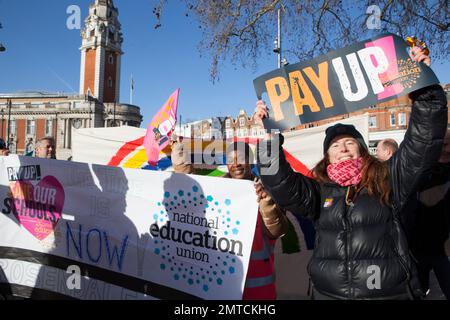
42,54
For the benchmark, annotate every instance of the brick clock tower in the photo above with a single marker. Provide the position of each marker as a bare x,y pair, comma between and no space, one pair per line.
101,52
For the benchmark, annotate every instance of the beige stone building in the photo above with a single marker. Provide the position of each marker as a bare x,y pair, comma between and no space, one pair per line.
28,116
223,127
243,126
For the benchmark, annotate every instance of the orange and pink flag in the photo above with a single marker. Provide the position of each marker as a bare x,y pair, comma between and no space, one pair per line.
160,128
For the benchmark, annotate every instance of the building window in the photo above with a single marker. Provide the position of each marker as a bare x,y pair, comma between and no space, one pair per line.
110,82
402,119
29,147
372,121
392,119
241,122
111,59
227,123
48,127
373,147
244,132
31,126
255,132
12,147
76,104
12,127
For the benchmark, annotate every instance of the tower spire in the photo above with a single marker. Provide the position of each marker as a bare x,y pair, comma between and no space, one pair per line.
101,52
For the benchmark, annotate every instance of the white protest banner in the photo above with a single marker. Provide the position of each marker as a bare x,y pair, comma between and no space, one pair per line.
128,233
121,145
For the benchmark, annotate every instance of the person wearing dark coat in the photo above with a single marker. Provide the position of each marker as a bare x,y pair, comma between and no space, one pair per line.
361,250
430,230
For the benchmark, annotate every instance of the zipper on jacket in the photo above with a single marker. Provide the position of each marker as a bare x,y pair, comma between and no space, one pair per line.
348,208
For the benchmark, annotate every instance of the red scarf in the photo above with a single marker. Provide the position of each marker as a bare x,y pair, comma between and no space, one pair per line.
347,172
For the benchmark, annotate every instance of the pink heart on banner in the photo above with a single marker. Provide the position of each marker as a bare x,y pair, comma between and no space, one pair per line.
38,208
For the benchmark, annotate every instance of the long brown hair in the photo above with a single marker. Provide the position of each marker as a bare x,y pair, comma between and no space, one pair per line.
375,175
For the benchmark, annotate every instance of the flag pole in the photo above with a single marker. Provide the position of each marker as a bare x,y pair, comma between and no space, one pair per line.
131,89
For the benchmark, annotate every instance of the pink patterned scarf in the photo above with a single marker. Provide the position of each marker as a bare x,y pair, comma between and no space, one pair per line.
347,172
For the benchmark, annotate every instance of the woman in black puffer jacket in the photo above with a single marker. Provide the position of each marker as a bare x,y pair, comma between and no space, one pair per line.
361,250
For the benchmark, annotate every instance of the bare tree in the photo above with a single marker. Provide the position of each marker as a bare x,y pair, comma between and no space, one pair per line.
243,30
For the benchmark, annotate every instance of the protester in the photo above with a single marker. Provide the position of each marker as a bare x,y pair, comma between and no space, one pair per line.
4,150
355,201
271,224
386,148
428,227
431,225
179,157
45,148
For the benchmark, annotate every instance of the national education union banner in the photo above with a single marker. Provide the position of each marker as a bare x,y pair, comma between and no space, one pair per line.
130,234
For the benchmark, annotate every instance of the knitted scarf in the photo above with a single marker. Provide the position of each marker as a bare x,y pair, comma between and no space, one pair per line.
347,172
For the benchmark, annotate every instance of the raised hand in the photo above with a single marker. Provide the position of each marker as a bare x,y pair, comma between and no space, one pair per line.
417,54
260,191
261,110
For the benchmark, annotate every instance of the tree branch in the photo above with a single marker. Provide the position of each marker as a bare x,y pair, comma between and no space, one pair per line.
443,27
258,16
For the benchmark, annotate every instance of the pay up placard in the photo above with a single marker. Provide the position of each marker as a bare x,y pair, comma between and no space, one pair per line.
342,81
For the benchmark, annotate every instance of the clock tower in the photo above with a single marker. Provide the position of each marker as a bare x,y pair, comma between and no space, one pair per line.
101,52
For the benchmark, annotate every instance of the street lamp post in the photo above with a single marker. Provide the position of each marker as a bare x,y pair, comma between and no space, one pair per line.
279,37
277,43
55,130
2,121
9,120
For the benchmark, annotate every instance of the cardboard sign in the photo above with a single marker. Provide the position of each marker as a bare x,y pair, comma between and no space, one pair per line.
342,81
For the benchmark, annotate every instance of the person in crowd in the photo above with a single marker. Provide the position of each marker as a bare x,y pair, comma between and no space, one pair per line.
427,225
180,158
386,148
431,224
4,150
45,148
271,224
355,201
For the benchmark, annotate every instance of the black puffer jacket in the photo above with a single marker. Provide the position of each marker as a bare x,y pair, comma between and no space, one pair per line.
361,250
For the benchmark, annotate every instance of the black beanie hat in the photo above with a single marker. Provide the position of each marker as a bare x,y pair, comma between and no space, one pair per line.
342,129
